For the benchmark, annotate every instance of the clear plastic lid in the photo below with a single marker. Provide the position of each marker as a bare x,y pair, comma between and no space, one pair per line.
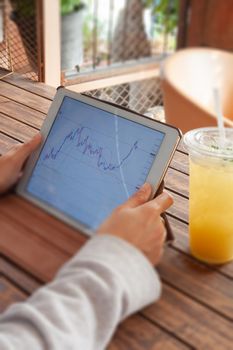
206,141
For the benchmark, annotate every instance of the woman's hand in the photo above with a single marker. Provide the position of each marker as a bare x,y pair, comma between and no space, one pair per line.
138,222
12,162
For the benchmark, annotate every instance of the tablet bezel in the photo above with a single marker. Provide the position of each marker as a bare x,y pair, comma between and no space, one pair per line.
159,167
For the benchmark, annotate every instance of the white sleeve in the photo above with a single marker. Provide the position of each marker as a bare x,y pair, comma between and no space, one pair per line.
102,284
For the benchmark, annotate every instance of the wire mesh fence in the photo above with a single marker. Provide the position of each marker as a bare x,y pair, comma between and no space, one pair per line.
19,44
143,96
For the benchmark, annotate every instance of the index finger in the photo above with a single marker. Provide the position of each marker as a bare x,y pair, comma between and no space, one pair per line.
161,203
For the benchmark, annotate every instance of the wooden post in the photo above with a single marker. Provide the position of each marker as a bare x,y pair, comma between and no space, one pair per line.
184,14
51,42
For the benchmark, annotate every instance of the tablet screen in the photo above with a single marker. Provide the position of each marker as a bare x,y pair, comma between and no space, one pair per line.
92,161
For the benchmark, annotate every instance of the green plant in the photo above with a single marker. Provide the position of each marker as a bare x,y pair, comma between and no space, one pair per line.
69,6
165,12
23,8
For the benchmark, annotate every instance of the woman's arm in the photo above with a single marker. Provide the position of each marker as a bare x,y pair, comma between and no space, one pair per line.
107,281
110,278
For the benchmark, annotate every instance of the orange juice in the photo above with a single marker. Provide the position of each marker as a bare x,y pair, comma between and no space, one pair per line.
211,211
211,194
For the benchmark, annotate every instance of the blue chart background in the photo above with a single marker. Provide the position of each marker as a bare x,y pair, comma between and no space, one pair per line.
92,161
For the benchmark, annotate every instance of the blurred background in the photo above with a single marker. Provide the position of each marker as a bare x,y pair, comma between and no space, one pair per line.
110,49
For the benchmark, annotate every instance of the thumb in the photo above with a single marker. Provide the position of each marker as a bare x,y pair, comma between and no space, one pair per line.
22,152
139,197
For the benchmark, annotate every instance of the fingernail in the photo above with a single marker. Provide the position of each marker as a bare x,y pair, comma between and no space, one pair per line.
165,195
145,187
37,136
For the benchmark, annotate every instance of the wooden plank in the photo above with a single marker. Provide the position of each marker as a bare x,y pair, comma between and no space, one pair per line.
6,143
19,277
181,147
118,80
41,224
35,255
9,294
21,113
198,281
51,33
24,97
190,321
36,88
179,208
181,232
138,333
16,129
180,162
117,71
177,181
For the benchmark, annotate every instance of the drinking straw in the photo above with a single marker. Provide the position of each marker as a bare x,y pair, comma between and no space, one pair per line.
218,110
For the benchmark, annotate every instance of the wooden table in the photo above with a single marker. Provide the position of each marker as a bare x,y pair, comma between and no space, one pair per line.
196,308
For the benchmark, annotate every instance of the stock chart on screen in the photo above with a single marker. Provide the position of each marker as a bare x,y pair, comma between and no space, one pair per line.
92,161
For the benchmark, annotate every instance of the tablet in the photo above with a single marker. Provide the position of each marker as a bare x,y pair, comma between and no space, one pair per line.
93,157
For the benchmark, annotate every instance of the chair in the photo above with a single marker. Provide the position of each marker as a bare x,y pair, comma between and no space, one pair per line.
188,79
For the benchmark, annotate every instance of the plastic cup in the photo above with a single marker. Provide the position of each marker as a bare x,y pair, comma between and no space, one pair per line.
211,195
